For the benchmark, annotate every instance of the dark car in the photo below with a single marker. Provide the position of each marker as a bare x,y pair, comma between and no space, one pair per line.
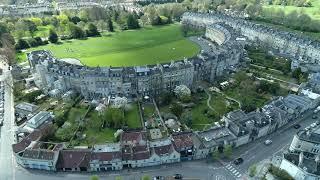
177,176
238,161
314,117
297,126
158,178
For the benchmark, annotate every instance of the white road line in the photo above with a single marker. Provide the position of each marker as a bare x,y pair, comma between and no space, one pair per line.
234,171
239,176
237,173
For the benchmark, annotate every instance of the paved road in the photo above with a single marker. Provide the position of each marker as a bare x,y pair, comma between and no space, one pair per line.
7,164
190,170
256,151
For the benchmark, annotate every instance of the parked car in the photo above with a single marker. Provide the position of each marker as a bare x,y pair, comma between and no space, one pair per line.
158,178
177,176
267,142
314,117
238,161
297,126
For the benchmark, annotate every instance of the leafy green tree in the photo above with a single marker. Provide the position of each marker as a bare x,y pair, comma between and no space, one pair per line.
118,178
110,25
177,109
92,30
227,151
187,118
75,19
53,37
132,22
215,155
22,44
252,170
76,32
114,118
94,177
146,177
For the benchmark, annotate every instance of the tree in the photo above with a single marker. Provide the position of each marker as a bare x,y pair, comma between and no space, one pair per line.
75,19
252,170
114,117
187,118
146,177
182,92
22,44
132,22
110,25
227,151
215,155
94,177
165,98
39,41
53,37
76,32
177,109
92,30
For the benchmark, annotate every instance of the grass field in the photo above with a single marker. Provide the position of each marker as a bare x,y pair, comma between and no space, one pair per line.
313,12
149,45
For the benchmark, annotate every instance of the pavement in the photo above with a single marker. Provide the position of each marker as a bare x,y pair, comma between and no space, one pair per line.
7,160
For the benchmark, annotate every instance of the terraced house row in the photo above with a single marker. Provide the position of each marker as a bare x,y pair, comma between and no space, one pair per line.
303,51
135,149
59,76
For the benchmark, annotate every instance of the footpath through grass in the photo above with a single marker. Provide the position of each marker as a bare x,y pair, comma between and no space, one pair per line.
149,45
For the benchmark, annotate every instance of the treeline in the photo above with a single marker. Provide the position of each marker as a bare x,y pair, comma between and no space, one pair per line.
298,3
294,20
7,51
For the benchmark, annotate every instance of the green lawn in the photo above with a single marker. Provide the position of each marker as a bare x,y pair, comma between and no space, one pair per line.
149,45
313,12
133,117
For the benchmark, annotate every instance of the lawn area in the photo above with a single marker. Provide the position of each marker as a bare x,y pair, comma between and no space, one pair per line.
149,45
133,117
313,12
98,137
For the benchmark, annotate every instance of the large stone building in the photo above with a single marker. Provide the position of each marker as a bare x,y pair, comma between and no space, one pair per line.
302,161
58,76
303,51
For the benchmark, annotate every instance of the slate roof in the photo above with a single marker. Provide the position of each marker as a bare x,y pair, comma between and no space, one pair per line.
40,154
74,158
106,156
182,141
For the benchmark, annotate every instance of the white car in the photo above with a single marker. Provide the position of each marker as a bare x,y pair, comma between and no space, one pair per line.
267,142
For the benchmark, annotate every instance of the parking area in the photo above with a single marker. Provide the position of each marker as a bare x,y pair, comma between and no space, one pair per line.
1,102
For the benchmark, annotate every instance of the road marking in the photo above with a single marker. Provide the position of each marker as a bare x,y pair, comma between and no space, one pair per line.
234,171
237,173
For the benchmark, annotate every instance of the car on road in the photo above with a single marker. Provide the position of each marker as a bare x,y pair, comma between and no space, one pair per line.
238,161
268,142
177,176
1,122
297,126
158,178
